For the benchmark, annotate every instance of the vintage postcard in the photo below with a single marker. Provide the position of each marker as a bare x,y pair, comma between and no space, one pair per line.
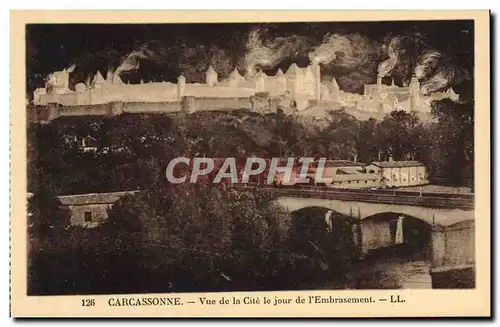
250,164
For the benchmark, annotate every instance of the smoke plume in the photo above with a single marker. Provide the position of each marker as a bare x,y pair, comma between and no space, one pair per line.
71,68
352,58
427,63
269,53
394,51
445,77
346,51
132,60
437,72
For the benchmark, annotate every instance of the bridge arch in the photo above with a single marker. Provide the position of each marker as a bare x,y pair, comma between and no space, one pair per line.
320,229
363,210
327,214
388,229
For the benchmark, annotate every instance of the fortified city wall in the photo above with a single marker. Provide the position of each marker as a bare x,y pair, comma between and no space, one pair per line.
299,89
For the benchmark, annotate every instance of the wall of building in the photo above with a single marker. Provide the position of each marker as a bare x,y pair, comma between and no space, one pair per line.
373,169
99,214
66,99
275,86
205,91
355,184
401,176
422,175
387,176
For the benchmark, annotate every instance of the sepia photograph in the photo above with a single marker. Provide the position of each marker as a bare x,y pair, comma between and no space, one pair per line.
170,158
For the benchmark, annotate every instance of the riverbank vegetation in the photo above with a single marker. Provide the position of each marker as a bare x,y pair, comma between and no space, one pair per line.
198,237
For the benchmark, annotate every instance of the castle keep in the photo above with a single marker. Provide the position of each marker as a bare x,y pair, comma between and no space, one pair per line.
297,89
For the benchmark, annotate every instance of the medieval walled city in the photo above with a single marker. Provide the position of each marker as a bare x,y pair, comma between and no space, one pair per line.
300,90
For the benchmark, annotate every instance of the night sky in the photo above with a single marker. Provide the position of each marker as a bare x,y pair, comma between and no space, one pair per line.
164,51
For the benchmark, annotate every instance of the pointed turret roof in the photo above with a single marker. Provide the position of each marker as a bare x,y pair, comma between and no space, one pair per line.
117,79
293,69
308,73
98,79
211,70
392,83
279,72
235,74
334,83
260,74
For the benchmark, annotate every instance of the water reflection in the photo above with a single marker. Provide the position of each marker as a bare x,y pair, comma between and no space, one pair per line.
396,267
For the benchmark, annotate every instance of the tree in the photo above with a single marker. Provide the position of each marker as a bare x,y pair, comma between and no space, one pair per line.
367,145
320,252
341,136
452,157
206,236
47,219
399,133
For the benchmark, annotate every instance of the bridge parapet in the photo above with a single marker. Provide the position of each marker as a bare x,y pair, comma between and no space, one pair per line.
431,200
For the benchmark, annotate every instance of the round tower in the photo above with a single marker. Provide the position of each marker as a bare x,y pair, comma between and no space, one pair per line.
260,80
293,75
181,87
280,76
211,77
234,77
81,92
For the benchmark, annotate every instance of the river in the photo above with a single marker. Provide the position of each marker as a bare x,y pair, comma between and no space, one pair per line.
393,268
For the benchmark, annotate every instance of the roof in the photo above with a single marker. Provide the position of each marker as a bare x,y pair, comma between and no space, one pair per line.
334,83
235,74
348,170
396,164
98,79
338,163
293,69
92,198
211,70
117,79
307,72
356,177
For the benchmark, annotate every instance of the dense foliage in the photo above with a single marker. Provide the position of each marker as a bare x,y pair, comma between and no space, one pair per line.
131,151
192,238
210,237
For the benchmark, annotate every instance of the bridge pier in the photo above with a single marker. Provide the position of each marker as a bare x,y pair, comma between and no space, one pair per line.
453,256
449,237
375,234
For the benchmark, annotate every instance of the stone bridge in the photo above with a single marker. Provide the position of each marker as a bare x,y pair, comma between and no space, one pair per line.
362,210
382,218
